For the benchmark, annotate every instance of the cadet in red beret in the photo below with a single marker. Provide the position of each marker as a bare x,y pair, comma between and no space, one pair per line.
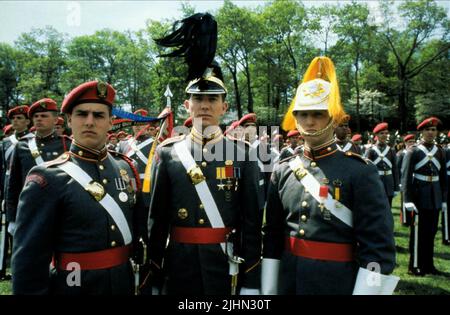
19,120
89,220
121,135
33,149
424,184
294,146
342,134
248,122
384,157
59,127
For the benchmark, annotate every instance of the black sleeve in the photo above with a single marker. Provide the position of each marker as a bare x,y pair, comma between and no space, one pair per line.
34,235
407,176
252,212
14,186
372,221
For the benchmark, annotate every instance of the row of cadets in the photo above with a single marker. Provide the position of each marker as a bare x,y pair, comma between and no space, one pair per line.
31,150
18,116
82,213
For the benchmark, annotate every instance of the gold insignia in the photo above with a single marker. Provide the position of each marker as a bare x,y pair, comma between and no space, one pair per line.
300,173
228,162
182,213
96,190
130,189
35,154
102,89
196,175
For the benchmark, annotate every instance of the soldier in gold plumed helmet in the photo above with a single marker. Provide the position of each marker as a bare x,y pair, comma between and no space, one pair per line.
328,221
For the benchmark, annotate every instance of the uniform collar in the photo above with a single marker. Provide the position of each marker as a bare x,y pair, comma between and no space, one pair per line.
381,145
46,138
202,139
21,134
427,145
85,153
322,151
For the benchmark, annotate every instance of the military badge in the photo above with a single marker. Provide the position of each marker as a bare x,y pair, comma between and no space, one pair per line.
337,189
102,89
123,197
96,190
120,184
228,177
124,175
323,194
182,213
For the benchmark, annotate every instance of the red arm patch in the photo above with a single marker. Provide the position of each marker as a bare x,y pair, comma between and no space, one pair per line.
36,178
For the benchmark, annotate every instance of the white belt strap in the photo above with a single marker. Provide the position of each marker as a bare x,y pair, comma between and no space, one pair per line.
14,142
35,151
385,173
448,164
339,210
202,188
425,178
382,156
108,203
347,147
137,149
290,150
429,156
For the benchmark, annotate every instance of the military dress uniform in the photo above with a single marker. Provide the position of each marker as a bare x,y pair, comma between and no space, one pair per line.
319,253
328,229
384,158
195,263
60,219
424,185
446,216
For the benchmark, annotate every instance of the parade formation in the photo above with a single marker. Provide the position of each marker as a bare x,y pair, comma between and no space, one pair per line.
207,210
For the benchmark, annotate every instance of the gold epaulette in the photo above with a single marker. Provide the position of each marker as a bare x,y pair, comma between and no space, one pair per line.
63,158
356,156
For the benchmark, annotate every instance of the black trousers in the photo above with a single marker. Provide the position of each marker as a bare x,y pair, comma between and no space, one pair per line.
427,224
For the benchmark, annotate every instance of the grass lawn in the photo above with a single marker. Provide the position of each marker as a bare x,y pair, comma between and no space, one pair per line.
408,285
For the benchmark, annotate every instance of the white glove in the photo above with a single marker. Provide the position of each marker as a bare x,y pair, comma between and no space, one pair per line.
444,207
269,276
248,291
409,206
374,283
12,228
155,291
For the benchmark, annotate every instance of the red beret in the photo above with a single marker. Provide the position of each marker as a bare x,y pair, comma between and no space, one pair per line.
112,135
356,137
233,126
141,112
293,133
89,92
22,109
7,129
249,118
43,105
409,137
60,121
380,127
188,122
429,122
121,133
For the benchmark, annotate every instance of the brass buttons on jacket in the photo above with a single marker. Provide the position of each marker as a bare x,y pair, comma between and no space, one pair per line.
105,181
113,244
303,218
101,167
201,221
304,204
301,232
313,164
204,164
182,213
80,153
201,206
205,150
113,227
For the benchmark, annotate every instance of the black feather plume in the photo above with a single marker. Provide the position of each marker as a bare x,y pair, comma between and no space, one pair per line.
196,40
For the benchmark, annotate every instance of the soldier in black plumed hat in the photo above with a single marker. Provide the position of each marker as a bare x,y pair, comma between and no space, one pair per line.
204,187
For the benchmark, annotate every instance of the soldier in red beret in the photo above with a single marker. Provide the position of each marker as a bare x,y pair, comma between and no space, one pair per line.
112,142
294,147
384,157
424,185
91,220
59,127
342,132
33,150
